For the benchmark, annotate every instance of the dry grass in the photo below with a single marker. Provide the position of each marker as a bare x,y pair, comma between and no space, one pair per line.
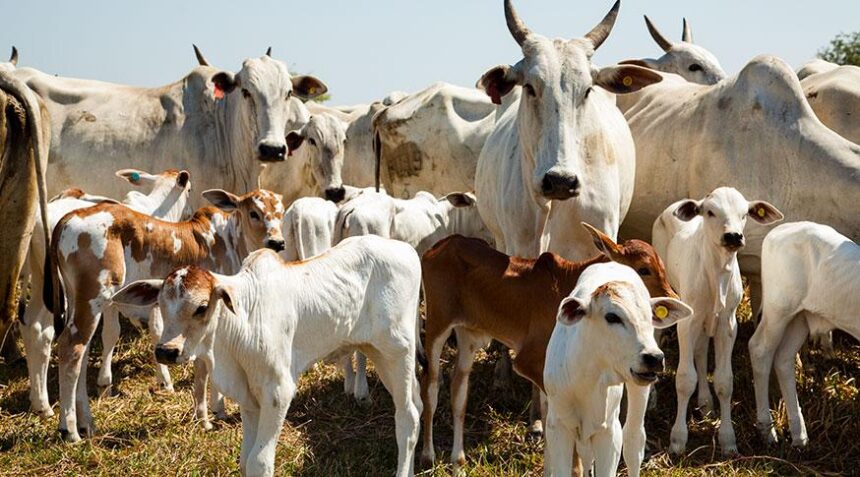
143,432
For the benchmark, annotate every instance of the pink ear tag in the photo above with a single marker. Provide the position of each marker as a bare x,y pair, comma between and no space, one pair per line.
289,152
219,93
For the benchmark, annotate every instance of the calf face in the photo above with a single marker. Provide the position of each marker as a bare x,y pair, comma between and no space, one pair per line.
618,319
168,196
260,214
724,215
327,135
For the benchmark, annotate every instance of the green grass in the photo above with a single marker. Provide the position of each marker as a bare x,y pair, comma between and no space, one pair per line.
145,432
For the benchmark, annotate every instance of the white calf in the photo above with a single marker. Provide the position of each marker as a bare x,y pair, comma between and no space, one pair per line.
699,240
308,228
811,280
277,318
167,200
604,338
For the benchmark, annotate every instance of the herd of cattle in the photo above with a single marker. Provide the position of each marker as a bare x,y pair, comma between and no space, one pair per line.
556,158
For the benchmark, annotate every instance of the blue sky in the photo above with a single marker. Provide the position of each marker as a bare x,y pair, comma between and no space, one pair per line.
365,49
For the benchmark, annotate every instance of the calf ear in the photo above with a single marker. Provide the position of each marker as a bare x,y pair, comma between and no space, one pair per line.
308,87
225,82
135,176
571,311
294,141
625,78
139,293
764,213
606,245
498,82
224,293
182,178
462,199
688,210
665,312
221,199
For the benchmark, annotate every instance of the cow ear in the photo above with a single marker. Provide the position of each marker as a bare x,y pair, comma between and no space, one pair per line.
140,293
225,82
294,141
461,199
688,210
625,78
135,176
498,82
224,293
665,312
764,213
308,87
603,242
182,178
571,311
221,199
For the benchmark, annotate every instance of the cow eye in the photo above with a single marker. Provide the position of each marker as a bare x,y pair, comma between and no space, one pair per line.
613,319
245,93
200,311
644,271
529,90
313,143
588,91
695,67
254,215
711,213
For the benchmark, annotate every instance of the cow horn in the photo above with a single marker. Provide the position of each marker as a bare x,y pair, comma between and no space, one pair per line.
598,34
200,58
687,36
665,44
14,58
269,52
516,26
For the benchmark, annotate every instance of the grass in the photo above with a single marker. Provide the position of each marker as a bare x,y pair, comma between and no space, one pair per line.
143,431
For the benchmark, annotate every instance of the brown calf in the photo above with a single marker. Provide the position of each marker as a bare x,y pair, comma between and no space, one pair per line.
483,294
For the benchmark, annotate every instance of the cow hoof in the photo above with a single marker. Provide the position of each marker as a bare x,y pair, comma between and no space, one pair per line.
536,430
799,443
207,426
677,448
105,391
69,437
767,433
42,411
363,401
428,460
730,451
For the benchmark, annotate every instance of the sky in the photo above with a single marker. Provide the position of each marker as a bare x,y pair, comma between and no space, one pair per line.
364,49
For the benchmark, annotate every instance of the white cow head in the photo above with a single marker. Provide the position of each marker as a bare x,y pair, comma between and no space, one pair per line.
556,114
463,216
262,92
326,135
168,196
260,215
189,299
724,213
12,63
613,313
691,62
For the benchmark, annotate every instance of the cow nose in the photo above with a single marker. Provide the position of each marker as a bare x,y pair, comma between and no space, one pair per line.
335,194
272,152
733,240
275,244
653,361
556,185
166,355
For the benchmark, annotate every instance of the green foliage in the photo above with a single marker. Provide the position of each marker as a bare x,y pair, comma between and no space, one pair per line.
843,50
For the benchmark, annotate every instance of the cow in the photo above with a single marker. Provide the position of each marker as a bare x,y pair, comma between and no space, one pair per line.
700,240
168,200
481,293
308,228
815,66
603,338
218,125
834,95
25,132
754,131
690,61
811,283
102,247
267,324
430,140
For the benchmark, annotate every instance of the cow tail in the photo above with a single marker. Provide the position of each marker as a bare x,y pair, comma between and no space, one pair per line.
53,293
377,152
420,354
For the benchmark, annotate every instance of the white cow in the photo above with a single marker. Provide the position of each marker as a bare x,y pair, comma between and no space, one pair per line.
603,339
699,240
835,97
692,62
278,318
218,125
167,200
811,278
815,66
564,139
308,228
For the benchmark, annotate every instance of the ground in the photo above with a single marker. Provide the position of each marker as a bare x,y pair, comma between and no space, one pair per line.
143,431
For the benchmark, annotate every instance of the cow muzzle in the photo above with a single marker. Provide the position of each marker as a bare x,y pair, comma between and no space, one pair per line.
651,364
559,186
733,241
335,194
272,152
165,355
277,245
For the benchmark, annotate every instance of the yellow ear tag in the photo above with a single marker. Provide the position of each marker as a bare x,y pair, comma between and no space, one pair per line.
628,81
312,90
761,212
661,312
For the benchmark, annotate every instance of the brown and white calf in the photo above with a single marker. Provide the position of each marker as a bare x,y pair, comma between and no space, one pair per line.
483,294
100,248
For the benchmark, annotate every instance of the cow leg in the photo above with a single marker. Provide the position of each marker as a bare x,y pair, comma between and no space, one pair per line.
361,391
685,381
705,399
82,400
763,346
430,389
502,370
110,337
348,374
201,378
261,459
216,401
634,428
559,446
795,336
155,326
468,344
397,373
536,413
724,342
37,329
607,443
250,420
754,282
71,350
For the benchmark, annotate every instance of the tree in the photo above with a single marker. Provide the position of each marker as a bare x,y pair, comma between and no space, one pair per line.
843,50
